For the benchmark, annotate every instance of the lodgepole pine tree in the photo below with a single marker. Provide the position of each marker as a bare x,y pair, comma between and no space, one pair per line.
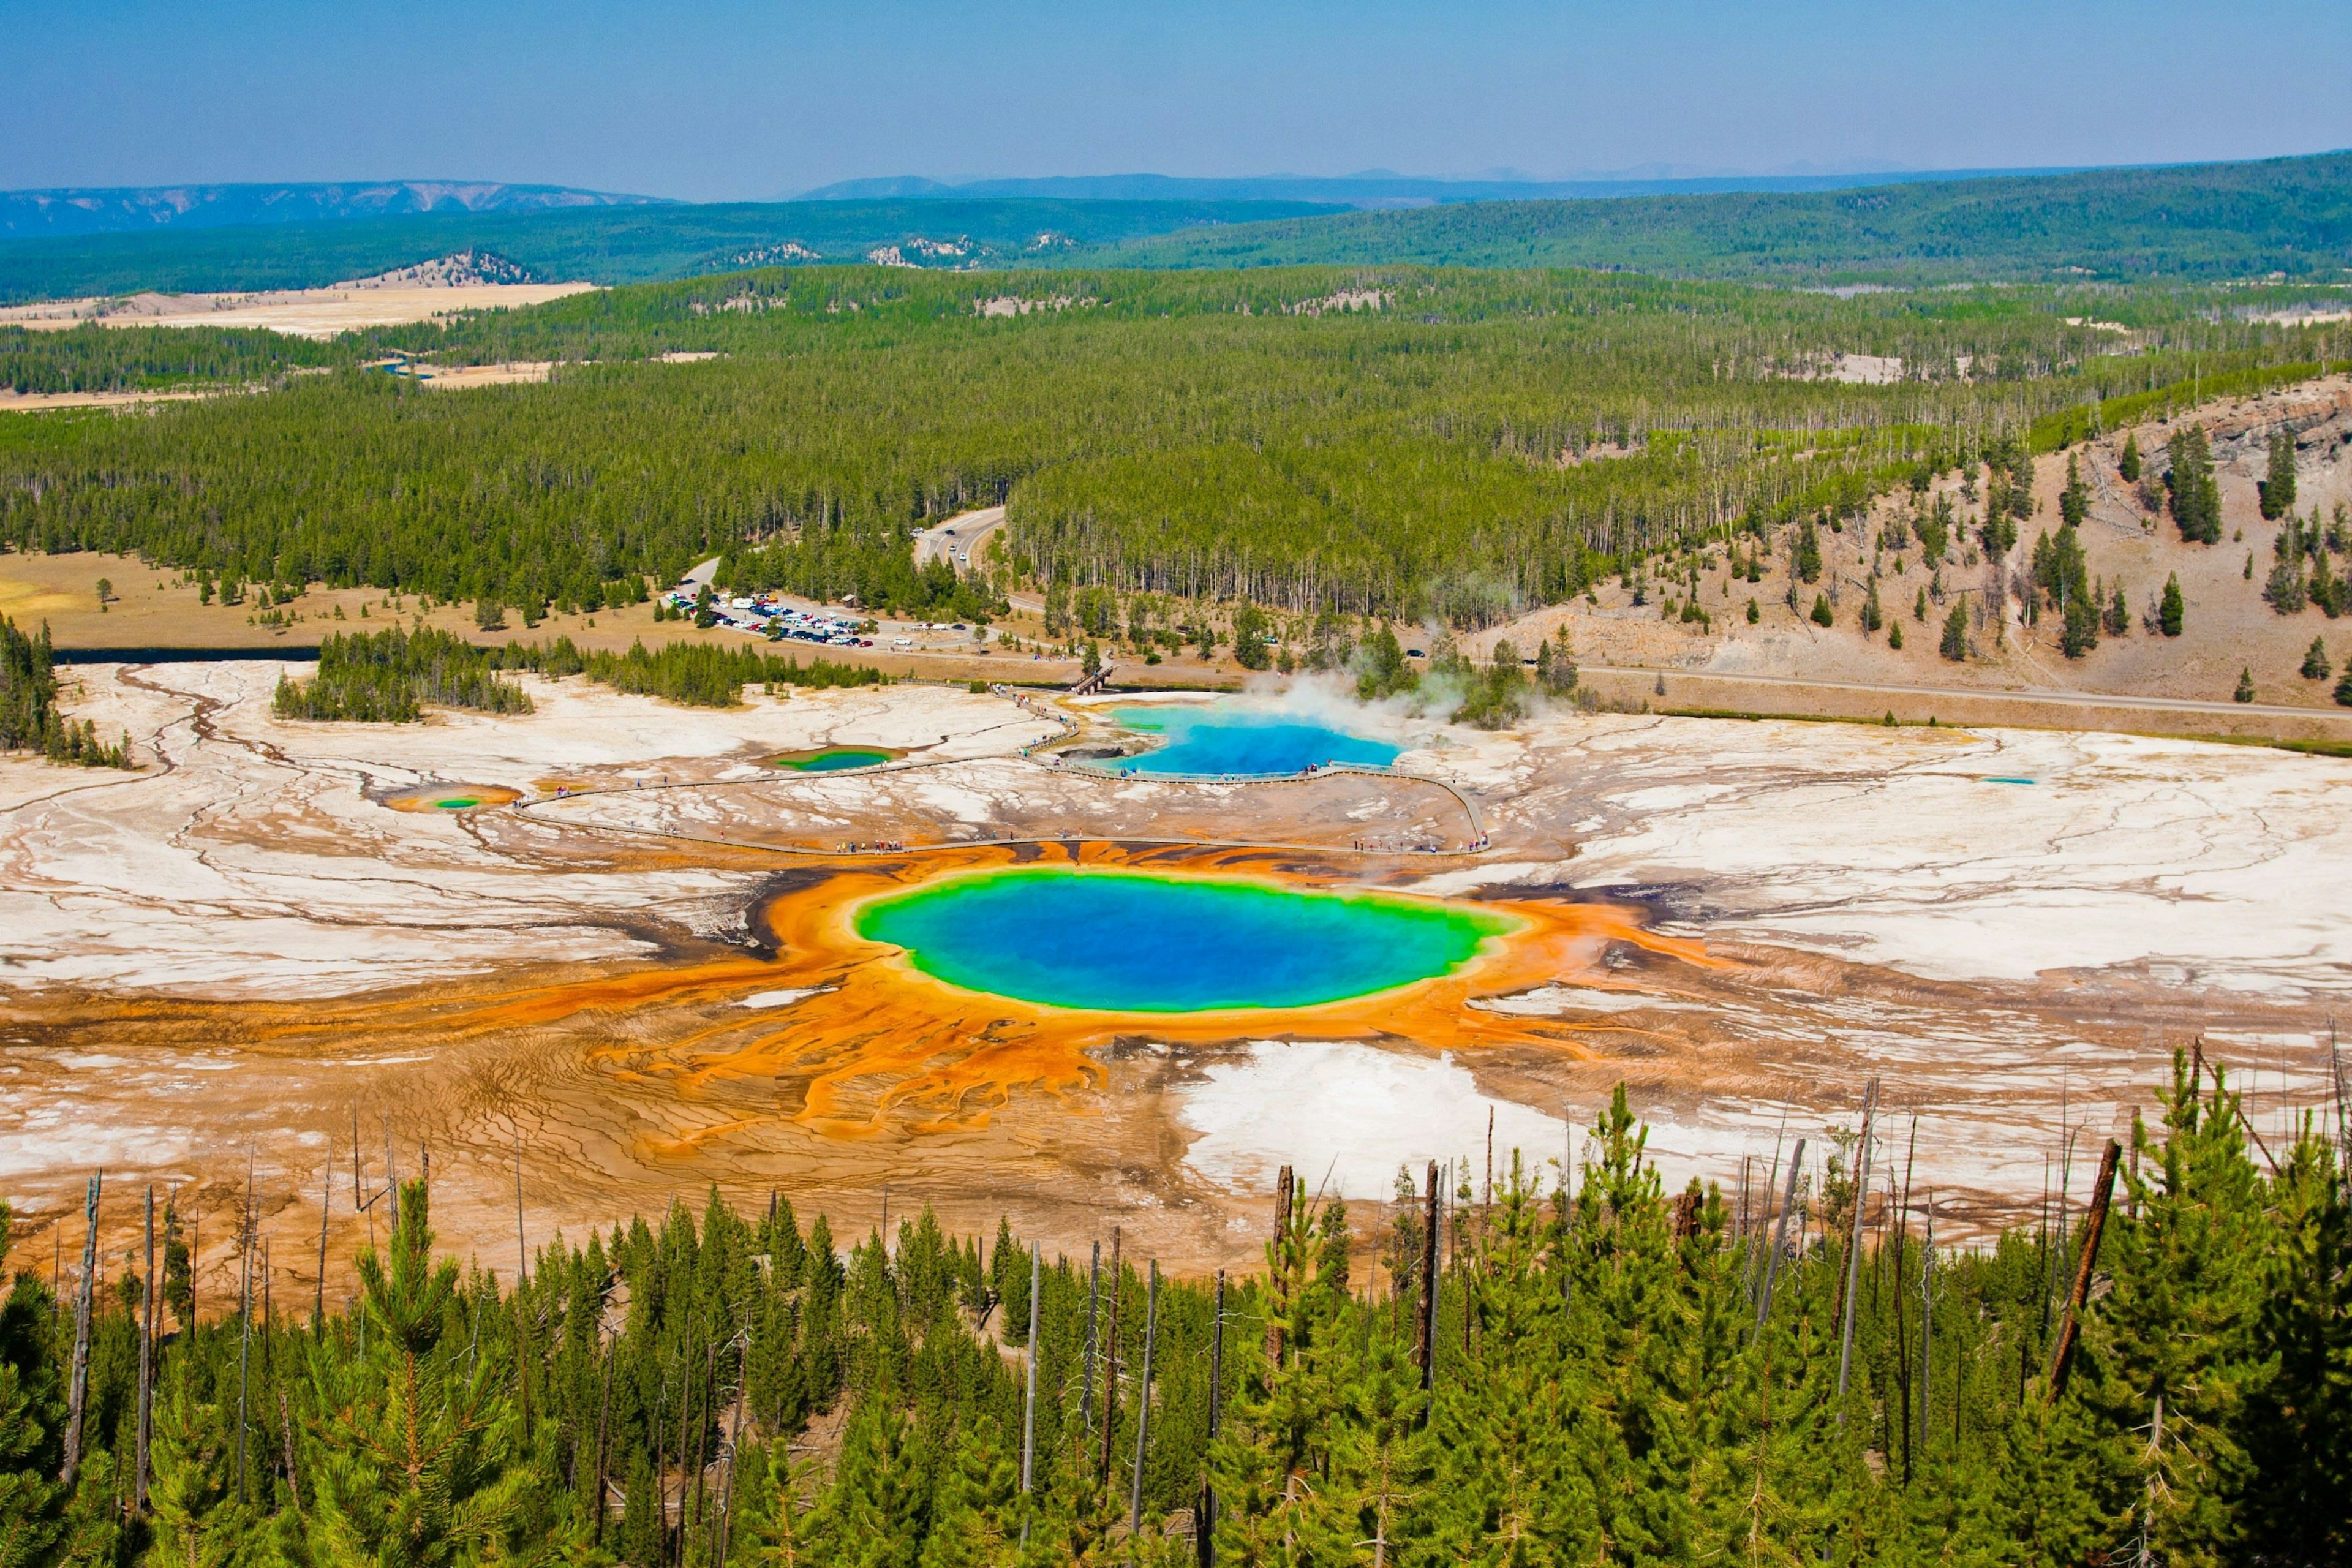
1955,643
2196,497
976,1515
32,1417
873,1514
418,1456
2170,1352
1380,1461
1265,1460
196,1519
2277,487
2074,500
2297,1421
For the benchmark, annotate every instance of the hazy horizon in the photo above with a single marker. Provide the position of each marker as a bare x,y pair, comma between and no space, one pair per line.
1638,174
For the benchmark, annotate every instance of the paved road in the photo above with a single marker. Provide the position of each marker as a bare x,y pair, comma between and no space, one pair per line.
959,538
2060,697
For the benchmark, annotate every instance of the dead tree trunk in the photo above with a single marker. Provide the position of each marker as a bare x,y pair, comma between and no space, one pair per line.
1779,1238
1429,1287
146,1366
2093,1227
1854,1241
1927,1322
1029,1400
244,1323
1110,1359
326,1205
1204,1522
1086,1370
78,1399
1277,1261
1143,1401
604,1413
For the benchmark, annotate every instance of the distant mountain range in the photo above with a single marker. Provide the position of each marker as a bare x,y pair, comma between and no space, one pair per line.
1372,189
606,244
2289,217
55,214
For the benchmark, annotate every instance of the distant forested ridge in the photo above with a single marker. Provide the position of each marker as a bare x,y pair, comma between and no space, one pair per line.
2287,216
1399,442
603,245
1510,1370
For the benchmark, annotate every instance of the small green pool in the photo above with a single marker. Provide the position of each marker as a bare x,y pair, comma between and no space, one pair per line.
456,803
833,759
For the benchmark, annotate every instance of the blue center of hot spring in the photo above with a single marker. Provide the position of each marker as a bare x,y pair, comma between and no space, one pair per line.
1130,941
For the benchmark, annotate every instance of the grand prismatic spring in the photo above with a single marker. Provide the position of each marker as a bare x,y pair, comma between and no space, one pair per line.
915,944
1124,943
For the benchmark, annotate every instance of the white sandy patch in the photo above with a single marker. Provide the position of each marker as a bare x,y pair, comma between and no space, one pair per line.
1867,370
785,998
1554,1001
302,312
506,372
13,401
1345,1117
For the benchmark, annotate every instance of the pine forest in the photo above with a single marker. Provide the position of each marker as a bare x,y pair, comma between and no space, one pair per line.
1390,442
1790,1367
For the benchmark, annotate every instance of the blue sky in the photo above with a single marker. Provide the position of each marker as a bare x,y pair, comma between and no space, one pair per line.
743,101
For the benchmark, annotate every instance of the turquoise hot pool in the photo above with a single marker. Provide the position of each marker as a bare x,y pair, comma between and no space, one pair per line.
1241,742
1131,941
